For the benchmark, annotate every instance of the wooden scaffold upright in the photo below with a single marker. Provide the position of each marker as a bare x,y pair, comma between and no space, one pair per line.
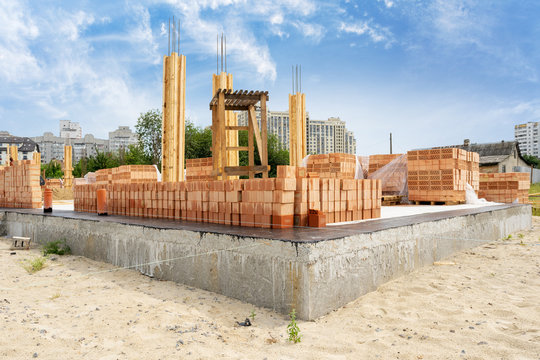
68,166
224,80
297,121
174,108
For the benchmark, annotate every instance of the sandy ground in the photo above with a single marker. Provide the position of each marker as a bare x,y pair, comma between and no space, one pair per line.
479,304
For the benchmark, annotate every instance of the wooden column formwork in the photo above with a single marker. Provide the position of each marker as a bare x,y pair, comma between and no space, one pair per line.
297,129
13,153
68,166
36,158
174,110
226,100
225,81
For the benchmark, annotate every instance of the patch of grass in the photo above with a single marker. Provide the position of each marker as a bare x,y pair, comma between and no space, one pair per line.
508,237
34,265
252,315
535,188
58,247
521,236
292,329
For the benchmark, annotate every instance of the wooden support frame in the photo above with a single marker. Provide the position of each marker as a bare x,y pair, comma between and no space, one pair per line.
226,100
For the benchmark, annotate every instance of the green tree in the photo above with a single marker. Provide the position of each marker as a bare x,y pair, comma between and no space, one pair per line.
148,129
198,142
53,170
136,156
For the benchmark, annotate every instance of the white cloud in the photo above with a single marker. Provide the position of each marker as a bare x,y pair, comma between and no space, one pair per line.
387,3
313,31
375,32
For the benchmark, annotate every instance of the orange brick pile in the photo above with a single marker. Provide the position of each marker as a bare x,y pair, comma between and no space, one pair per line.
199,169
19,186
441,175
53,183
393,176
378,161
505,187
126,174
334,165
273,202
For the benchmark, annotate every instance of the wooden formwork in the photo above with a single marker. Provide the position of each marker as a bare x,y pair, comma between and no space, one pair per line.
297,129
68,166
174,108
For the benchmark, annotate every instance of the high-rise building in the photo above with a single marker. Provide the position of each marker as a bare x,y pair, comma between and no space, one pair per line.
25,147
70,130
323,136
277,123
527,137
329,136
121,138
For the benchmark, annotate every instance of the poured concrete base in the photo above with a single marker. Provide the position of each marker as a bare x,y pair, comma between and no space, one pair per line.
312,270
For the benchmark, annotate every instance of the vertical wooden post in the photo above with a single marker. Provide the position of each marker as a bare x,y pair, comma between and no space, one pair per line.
173,128
263,152
251,153
297,129
68,166
222,134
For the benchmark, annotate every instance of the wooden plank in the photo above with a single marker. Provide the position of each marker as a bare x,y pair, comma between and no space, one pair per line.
221,130
237,148
263,149
236,128
253,119
246,170
251,154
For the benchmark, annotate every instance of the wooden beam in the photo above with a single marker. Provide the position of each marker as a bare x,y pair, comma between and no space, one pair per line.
222,132
237,128
251,154
237,148
253,118
246,170
263,149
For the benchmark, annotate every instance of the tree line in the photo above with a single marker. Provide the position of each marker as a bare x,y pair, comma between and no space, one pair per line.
198,144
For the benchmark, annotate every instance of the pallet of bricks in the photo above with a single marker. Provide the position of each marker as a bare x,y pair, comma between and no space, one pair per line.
505,187
334,165
380,160
441,175
19,186
199,169
392,171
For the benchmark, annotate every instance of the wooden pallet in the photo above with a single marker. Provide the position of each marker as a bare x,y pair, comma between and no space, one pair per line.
438,202
391,200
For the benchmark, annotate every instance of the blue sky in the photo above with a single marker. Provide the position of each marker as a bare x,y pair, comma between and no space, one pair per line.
431,72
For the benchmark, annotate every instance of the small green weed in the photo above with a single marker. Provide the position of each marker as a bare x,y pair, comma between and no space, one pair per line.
292,329
252,315
508,237
34,265
58,247
521,236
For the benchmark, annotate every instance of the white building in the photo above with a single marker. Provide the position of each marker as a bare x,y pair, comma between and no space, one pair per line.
121,138
70,130
329,136
527,137
277,123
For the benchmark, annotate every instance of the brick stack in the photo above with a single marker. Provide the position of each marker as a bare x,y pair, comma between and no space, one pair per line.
335,165
378,161
441,175
199,169
19,185
393,176
53,183
505,187
134,174
104,177
275,202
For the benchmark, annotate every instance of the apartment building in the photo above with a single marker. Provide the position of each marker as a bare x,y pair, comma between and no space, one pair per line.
527,137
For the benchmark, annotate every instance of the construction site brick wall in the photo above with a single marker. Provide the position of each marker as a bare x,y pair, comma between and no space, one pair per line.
199,169
378,161
19,185
334,165
505,187
272,203
126,174
441,175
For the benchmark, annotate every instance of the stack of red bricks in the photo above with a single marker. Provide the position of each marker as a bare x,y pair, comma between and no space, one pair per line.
441,175
134,174
505,187
378,161
340,199
334,165
104,177
199,169
19,185
53,183
274,202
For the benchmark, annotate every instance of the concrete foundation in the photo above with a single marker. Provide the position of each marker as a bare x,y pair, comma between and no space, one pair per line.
312,270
